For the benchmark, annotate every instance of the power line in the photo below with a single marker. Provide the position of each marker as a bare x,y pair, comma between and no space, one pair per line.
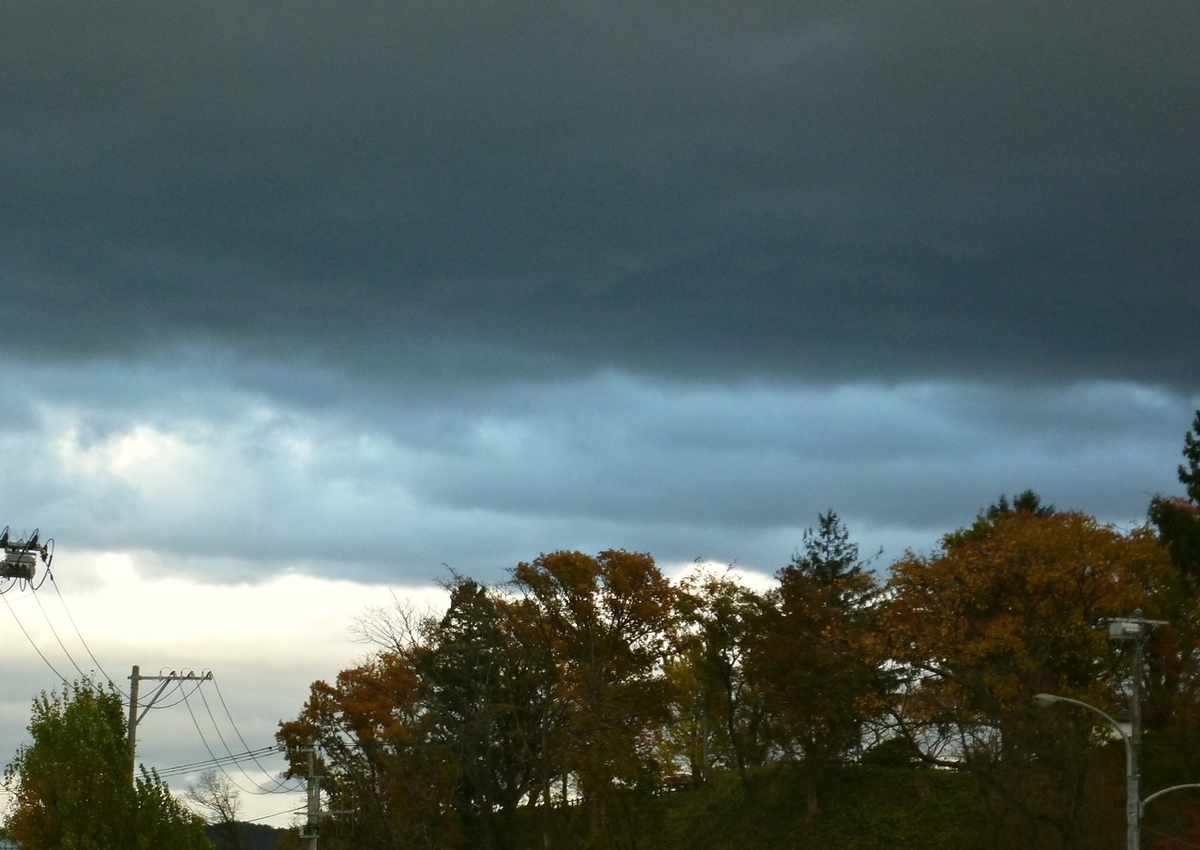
54,632
204,741
279,785
31,643
229,715
217,728
234,757
223,743
191,767
183,698
178,682
294,811
78,634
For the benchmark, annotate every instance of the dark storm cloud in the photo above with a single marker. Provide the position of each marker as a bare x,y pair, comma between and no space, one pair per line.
815,190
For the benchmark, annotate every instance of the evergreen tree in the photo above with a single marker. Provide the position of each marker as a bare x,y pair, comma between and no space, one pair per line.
1178,519
1189,475
816,665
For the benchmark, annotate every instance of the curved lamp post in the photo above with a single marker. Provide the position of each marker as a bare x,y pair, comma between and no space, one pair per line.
1132,803
1157,794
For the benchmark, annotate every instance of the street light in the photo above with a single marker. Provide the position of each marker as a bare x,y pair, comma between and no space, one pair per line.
1132,804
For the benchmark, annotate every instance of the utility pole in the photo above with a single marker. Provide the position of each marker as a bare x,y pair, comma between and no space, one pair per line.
135,718
312,822
308,835
1134,629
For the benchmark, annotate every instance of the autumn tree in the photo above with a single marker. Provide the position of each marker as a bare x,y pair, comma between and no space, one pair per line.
717,712
992,618
609,621
379,756
71,788
818,663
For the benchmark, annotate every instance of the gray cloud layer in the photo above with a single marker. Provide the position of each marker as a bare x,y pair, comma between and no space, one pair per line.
203,471
823,191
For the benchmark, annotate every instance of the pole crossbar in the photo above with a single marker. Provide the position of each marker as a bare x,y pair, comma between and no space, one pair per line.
135,678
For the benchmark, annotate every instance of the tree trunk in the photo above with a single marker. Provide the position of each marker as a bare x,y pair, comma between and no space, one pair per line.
813,808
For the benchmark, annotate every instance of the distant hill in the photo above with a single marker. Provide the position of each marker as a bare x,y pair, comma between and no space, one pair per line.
253,836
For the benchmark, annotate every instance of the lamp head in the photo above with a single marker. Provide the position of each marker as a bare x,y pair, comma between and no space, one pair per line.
1124,630
1045,700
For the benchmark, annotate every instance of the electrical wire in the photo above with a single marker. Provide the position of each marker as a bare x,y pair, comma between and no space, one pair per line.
229,715
34,645
204,741
203,762
224,744
78,634
178,688
54,632
191,767
294,811
279,784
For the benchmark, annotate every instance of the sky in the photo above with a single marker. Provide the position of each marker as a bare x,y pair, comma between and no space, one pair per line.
310,303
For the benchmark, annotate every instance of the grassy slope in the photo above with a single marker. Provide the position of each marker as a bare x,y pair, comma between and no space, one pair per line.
862,808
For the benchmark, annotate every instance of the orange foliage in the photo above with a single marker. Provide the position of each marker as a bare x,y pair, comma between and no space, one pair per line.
988,623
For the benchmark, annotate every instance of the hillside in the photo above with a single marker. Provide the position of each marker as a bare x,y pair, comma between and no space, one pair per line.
252,836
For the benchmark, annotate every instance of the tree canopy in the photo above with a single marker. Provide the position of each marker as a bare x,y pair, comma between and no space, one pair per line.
71,784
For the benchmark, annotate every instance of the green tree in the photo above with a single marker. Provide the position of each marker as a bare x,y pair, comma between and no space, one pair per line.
1177,518
1189,474
161,820
1172,696
1178,523
71,784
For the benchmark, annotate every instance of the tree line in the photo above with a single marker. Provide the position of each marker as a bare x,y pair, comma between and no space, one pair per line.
556,708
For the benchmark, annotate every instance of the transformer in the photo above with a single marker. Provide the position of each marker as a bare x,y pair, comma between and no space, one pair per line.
21,556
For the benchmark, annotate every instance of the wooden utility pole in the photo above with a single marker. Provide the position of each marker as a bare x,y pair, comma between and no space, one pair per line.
135,718
312,824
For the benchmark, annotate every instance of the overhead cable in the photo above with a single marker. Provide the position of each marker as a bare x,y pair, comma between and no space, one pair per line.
279,784
78,634
31,643
229,715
